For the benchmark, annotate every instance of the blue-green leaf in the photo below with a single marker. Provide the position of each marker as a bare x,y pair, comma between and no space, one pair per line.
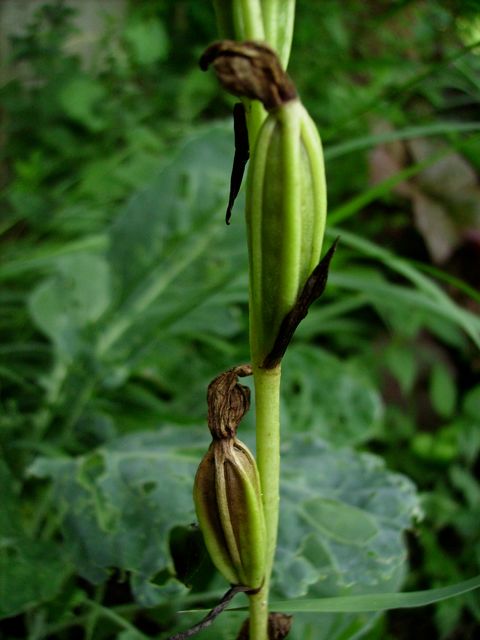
328,397
342,514
120,504
341,521
66,304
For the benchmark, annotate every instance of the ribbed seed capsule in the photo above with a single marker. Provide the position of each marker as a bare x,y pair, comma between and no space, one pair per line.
229,510
286,190
286,211
227,488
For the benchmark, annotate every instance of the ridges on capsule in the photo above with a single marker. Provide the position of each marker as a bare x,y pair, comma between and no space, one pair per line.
286,187
286,212
230,514
226,491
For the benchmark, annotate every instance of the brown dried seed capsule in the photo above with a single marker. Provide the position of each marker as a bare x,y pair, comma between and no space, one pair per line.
229,509
227,488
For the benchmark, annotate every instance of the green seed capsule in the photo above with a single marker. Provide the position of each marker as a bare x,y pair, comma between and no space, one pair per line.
286,211
229,510
286,191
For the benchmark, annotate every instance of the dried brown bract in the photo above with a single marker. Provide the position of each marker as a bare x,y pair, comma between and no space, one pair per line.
228,401
227,491
250,70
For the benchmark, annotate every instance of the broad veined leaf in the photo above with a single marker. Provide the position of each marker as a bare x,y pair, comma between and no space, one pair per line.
339,521
342,513
173,274
170,255
31,571
187,197
342,519
175,262
120,504
67,304
328,397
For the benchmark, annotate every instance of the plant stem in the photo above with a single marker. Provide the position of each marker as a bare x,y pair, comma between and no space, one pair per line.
267,403
267,407
263,20
278,19
248,18
258,625
270,18
285,30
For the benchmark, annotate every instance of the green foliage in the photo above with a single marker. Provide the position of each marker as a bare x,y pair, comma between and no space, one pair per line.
329,397
120,504
81,139
31,571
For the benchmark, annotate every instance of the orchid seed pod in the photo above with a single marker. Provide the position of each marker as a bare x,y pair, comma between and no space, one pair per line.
229,510
286,189
227,489
286,210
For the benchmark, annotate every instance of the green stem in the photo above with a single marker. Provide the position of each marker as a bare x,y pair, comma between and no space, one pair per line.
278,20
258,625
286,19
270,20
248,20
267,408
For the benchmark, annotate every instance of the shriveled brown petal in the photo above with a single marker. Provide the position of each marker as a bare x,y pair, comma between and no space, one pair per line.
228,401
250,70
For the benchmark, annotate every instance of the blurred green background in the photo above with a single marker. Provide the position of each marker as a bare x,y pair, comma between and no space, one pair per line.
123,294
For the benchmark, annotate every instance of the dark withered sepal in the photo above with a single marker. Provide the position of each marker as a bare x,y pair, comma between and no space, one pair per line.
250,70
228,401
240,159
312,290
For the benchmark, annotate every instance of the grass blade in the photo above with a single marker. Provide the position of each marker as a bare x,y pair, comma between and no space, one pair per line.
376,601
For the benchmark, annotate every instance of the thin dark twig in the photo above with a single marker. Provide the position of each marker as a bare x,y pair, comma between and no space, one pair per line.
210,617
